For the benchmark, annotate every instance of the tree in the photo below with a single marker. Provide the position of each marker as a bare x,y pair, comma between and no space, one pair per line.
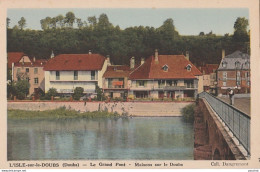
22,23
44,24
21,89
78,92
7,22
60,20
51,92
103,21
53,22
240,30
92,21
201,34
70,19
100,94
80,23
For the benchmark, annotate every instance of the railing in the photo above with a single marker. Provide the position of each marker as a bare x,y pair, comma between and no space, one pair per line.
237,121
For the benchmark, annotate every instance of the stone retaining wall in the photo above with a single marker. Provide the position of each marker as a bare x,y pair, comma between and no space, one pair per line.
129,108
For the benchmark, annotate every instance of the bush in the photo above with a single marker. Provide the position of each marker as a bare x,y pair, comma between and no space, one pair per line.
100,94
78,92
51,92
188,113
21,89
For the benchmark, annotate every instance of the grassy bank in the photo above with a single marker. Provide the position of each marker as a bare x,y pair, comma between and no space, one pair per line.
59,113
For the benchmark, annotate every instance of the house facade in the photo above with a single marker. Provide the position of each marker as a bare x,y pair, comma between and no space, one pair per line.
209,72
65,72
165,76
115,81
234,73
32,71
15,57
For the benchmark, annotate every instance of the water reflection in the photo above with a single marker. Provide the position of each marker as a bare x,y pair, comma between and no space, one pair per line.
136,138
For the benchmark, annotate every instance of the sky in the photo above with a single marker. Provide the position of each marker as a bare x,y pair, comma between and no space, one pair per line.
187,21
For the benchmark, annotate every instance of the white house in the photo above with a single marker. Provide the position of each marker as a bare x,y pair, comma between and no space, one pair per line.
65,72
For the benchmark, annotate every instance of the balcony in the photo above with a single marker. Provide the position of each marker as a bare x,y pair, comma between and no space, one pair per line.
116,85
185,87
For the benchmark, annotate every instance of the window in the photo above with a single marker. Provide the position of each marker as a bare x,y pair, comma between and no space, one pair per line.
57,75
165,68
27,79
36,80
224,76
224,64
161,83
224,83
175,82
238,73
35,70
18,70
248,83
247,76
93,75
110,84
75,75
188,67
141,83
189,83
238,82
237,64
27,70
168,83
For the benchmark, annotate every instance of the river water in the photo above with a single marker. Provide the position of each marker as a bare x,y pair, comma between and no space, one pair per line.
140,138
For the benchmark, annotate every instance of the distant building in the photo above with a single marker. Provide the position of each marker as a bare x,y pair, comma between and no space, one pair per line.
15,57
65,72
209,72
165,76
234,73
32,71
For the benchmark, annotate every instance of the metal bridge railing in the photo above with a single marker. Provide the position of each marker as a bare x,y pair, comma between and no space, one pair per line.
237,121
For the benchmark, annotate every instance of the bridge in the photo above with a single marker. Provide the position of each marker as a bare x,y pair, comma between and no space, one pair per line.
221,131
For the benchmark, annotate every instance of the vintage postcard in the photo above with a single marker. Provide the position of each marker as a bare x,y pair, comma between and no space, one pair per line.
130,84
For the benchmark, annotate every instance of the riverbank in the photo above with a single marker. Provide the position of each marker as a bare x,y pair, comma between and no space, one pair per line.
59,113
130,108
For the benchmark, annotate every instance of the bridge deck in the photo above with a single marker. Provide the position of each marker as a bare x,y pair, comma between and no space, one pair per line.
243,104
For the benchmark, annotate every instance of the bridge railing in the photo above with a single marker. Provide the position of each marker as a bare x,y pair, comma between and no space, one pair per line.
238,122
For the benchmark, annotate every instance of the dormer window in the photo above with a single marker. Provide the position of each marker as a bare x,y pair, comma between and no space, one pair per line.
224,64
237,64
165,68
188,67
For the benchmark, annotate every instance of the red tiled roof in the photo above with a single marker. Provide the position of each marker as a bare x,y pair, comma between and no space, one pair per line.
14,57
117,71
208,68
177,68
37,63
75,62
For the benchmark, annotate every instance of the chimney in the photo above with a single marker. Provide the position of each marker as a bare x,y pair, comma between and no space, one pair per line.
108,60
187,55
156,55
142,60
223,53
34,59
89,52
132,63
52,54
